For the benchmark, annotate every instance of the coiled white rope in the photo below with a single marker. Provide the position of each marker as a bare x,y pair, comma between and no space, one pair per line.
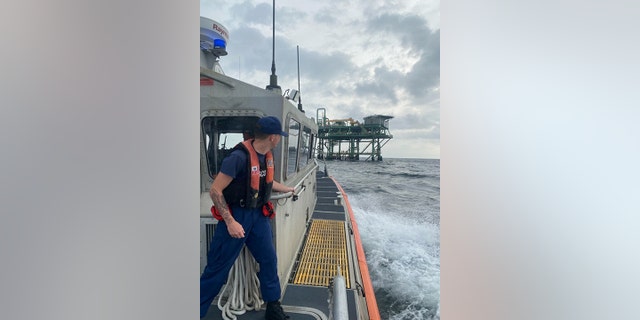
242,289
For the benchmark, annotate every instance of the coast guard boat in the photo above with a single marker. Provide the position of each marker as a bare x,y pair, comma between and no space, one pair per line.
321,262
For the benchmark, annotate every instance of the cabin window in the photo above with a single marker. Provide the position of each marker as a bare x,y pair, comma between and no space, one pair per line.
306,147
221,134
312,147
292,146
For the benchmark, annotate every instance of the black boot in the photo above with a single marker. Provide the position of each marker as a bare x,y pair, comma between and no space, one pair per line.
274,311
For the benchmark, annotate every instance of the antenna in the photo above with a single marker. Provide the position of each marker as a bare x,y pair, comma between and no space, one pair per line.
273,80
299,93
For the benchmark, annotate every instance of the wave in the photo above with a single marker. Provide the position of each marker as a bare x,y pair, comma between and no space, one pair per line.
397,207
403,255
410,175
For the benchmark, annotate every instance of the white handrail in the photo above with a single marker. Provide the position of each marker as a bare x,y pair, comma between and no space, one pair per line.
277,196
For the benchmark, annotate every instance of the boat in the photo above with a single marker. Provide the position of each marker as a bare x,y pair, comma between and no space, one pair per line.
321,262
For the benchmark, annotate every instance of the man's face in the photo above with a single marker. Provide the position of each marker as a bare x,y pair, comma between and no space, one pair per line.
274,139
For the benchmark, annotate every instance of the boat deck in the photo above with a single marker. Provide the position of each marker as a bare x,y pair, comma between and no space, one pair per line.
326,246
324,250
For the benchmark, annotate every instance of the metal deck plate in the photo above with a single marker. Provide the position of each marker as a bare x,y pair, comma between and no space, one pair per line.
324,250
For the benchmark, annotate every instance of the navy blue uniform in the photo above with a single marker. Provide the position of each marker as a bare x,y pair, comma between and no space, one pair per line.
225,249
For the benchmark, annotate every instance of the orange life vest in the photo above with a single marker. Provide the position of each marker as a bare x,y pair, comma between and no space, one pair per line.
247,193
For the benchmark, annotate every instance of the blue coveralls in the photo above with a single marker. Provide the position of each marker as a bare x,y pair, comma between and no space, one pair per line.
225,249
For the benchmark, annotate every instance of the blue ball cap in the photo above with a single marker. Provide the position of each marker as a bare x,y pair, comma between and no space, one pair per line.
270,125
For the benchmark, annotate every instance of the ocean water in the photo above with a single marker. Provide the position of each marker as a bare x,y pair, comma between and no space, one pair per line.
396,203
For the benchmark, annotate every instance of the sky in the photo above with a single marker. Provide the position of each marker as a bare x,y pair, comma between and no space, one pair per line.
357,58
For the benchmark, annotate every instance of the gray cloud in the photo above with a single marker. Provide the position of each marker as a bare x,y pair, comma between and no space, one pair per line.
289,17
414,33
248,13
382,86
425,74
251,47
429,121
326,16
317,68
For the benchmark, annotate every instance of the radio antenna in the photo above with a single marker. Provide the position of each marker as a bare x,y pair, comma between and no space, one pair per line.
273,80
299,93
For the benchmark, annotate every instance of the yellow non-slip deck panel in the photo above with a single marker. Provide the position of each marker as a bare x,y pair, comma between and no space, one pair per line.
324,250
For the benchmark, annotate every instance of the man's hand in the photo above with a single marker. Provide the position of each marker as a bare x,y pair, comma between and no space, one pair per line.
279,187
235,229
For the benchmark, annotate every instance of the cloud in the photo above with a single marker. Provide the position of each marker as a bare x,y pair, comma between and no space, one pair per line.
412,32
317,68
425,74
382,86
260,14
325,16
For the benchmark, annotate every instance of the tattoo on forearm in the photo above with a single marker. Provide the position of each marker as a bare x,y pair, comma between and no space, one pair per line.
221,205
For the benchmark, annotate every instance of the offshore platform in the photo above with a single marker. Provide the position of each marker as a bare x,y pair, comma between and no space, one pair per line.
340,139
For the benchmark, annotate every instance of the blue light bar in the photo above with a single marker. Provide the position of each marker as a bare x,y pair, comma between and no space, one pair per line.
219,44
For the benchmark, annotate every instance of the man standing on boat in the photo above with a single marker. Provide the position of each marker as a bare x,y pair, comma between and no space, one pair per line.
240,193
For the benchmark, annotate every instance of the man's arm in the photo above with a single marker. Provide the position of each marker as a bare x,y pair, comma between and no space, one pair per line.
220,183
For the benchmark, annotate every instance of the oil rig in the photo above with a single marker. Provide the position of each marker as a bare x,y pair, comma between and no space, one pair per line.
340,139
